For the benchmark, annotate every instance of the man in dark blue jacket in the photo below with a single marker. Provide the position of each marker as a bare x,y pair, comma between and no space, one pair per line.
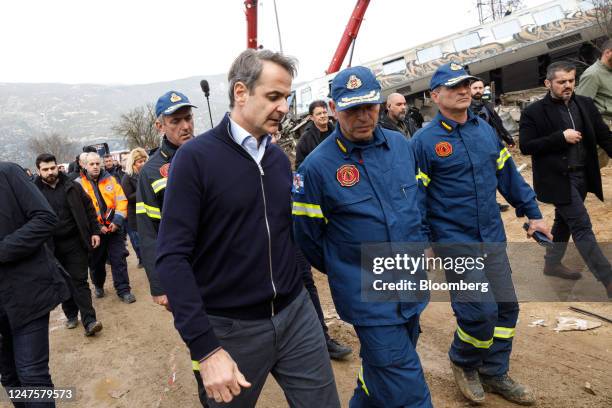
357,187
31,285
462,164
226,253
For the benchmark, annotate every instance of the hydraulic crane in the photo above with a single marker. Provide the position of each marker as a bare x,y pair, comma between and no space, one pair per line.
348,37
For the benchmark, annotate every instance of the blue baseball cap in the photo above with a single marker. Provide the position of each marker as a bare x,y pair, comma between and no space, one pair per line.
450,75
170,102
355,86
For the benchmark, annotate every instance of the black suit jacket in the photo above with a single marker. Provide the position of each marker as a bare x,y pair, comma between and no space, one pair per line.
541,136
30,283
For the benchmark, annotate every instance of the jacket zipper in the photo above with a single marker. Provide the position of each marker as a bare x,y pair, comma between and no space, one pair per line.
263,194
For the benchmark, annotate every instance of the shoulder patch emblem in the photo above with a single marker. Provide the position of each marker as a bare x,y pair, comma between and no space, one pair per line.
347,175
298,183
163,170
109,187
353,82
444,149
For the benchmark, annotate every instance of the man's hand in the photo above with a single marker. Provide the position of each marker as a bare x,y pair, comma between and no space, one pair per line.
221,377
572,136
538,225
162,301
104,229
95,241
113,227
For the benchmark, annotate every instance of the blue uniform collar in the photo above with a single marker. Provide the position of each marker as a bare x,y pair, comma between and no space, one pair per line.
450,125
346,146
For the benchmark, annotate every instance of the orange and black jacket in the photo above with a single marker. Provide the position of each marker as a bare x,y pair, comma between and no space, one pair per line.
109,191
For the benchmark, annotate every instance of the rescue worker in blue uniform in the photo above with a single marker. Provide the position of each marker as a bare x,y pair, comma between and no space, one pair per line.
358,186
461,165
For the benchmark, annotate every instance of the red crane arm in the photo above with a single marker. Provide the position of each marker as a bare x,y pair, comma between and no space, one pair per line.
251,17
350,34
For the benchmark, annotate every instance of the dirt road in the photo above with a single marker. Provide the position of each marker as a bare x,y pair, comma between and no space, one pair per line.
138,360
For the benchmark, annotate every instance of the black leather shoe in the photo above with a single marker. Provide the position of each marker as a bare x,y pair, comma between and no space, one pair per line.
508,388
127,298
92,328
99,292
336,350
561,271
72,323
469,384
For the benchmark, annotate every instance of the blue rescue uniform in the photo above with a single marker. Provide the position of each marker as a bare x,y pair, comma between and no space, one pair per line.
460,168
347,194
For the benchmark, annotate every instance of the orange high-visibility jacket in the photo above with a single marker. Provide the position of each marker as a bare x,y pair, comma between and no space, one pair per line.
111,193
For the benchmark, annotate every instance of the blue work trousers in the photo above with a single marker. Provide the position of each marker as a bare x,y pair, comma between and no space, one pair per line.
391,375
485,321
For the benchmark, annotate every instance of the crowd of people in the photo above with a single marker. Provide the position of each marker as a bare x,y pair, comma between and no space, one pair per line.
227,229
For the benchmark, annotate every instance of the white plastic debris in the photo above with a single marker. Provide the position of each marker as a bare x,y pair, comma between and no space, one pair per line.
574,323
539,322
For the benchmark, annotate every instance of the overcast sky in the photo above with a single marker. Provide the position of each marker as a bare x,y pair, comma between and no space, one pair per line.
143,41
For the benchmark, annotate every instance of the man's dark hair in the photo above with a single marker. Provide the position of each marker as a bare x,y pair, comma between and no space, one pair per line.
249,64
316,104
607,45
473,81
555,67
45,158
106,156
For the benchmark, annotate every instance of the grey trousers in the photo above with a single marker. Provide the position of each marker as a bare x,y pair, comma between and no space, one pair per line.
290,346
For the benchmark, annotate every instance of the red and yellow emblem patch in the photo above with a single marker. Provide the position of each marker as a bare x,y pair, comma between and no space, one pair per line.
163,170
444,149
347,175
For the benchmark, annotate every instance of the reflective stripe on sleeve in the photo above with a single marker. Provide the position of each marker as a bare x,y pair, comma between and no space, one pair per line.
159,185
504,332
504,155
463,336
307,210
195,365
151,212
423,177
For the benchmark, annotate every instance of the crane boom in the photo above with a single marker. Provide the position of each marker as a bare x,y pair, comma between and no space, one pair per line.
251,17
350,34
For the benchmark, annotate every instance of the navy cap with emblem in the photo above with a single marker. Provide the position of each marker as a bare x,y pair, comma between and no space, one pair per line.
170,102
449,75
355,86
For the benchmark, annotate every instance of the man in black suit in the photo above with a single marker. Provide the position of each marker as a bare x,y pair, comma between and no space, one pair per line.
561,133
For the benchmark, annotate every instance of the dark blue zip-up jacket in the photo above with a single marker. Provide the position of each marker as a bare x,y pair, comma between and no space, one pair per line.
225,244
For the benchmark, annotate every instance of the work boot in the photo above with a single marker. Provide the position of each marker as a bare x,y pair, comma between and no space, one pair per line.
561,271
127,298
336,350
92,328
99,292
503,207
468,383
72,323
508,388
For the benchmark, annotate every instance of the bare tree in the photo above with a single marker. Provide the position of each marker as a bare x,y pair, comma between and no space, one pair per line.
138,128
604,15
58,145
